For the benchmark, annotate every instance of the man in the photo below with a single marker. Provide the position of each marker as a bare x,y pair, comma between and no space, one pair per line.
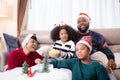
98,41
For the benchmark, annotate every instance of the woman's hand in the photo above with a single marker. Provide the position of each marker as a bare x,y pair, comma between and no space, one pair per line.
38,61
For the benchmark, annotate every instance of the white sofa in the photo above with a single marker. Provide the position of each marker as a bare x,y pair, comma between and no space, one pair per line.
112,36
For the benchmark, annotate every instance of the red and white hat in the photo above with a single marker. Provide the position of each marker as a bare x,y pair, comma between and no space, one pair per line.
84,15
87,40
26,39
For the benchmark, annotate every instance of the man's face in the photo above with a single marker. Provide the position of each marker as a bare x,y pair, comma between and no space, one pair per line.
82,24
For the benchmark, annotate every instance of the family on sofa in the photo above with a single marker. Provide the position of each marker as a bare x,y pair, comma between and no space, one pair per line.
92,41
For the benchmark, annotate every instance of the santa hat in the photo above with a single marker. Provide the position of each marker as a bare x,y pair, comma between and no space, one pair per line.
27,38
84,15
87,40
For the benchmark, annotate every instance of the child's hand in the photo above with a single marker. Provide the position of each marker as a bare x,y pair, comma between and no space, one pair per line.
54,53
38,61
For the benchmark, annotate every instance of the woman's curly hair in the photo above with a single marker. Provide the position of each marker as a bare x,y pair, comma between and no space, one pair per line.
72,33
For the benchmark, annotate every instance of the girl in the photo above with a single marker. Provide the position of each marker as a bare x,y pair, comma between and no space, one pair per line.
27,53
64,47
82,67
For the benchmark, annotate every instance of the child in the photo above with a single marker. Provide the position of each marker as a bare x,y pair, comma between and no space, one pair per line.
64,47
82,67
27,53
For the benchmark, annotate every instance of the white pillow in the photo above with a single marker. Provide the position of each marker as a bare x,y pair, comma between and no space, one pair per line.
43,50
117,59
101,57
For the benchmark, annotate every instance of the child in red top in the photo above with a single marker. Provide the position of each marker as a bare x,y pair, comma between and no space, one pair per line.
27,53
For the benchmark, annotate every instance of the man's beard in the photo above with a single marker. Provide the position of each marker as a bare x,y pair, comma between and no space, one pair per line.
85,30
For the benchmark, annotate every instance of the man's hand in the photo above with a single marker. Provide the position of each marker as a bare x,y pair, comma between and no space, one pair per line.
111,63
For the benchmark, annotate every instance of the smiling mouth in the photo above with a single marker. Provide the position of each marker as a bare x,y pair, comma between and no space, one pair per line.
80,54
82,27
33,47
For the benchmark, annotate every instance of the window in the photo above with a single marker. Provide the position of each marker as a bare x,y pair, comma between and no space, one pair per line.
43,14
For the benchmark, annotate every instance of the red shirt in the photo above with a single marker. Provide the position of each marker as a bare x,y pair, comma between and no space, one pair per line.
17,57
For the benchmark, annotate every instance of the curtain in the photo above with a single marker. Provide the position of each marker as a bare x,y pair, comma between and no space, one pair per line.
21,11
43,14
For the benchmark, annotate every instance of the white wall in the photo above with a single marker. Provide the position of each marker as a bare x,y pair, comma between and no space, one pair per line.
9,24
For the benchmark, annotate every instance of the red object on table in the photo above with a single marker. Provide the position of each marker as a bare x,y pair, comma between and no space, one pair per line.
30,73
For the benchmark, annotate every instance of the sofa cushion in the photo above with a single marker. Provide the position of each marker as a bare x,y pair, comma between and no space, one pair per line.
42,36
11,42
21,37
115,48
111,35
117,73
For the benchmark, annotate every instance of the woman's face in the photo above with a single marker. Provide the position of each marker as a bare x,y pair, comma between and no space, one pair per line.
31,45
82,51
63,35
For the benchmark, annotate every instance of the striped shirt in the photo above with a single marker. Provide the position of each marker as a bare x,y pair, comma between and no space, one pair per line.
67,49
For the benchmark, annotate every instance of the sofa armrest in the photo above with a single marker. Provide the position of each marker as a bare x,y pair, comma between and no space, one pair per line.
3,58
2,61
